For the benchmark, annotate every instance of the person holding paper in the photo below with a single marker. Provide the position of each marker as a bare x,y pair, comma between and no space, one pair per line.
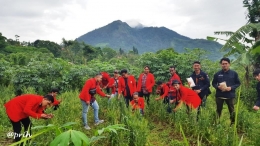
202,83
226,94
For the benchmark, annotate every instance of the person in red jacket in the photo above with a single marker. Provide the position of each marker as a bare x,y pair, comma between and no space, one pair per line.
163,90
105,81
174,76
145,84
113,84
126,86
20,108
186,95
54,92
137,103
87,98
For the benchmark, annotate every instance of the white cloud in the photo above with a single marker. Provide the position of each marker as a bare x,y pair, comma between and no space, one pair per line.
53,20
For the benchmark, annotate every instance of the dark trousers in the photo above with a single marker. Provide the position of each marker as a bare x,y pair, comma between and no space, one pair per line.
17,128
230,104
146,96
203,100
128,99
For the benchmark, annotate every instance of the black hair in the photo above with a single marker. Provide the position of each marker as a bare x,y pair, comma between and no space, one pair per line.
175,82
49,97
98,74
172,67
123,71
224,59
135,93
55,90
159,82
196,62
147,67
18,92
256,72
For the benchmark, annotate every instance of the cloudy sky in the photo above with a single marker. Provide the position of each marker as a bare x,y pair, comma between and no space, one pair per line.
56,19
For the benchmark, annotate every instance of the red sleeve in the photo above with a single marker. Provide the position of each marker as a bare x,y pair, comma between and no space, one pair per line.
165,90
152,82
56,102
139,83
86,89
100,92
28,109
111,83
142,103
120,85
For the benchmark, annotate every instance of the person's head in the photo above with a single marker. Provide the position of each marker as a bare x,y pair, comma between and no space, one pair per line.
225,64
54,92
123,73
18,92
172,70
135,96
146,69
256,74
159,83
116,73
196,66
47,100
98,77
176,84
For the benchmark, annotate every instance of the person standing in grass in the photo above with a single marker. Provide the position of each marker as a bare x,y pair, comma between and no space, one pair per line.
202,83
113,84
87,98
145,84
174,76
126,86
256,74
137,103
20,108
185,95
225,82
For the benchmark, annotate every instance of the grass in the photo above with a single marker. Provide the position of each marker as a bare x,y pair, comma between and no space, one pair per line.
156,127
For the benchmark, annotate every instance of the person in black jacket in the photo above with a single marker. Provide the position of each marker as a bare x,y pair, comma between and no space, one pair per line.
225,82
202,84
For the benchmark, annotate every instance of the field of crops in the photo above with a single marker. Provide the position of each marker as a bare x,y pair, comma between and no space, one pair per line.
156,127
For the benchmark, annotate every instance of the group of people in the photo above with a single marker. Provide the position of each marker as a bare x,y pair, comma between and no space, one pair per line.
124,85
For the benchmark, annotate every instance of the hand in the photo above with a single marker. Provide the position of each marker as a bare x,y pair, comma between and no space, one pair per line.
158,98
221,88
60,100
88,102
189,83
228,89
118,97
108,96
174,110
50,116
256,108
44,116
197,91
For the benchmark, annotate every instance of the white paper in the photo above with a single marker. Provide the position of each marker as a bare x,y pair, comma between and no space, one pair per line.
223,85
190,80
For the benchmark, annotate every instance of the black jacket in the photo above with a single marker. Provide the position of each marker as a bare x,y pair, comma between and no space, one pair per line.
202,83
231,79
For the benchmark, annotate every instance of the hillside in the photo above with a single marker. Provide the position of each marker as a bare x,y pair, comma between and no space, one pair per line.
119,34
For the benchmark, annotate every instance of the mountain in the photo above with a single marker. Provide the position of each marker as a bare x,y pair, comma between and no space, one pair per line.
119,34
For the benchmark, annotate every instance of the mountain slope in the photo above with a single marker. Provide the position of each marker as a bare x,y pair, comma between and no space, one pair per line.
119,34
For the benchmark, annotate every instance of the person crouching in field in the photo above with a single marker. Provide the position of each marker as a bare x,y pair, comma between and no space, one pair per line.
20,108
87,98
137,103
186,95
256,74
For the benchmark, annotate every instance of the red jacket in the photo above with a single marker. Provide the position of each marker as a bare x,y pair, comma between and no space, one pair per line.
56,102
165,90
139,104
24,106
189,97
111,84
105,79
149,82
90,84
131,84
172,90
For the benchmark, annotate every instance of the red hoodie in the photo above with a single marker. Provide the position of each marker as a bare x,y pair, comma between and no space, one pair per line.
105,79
24,106
90,84
165,90
111,84
148,84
